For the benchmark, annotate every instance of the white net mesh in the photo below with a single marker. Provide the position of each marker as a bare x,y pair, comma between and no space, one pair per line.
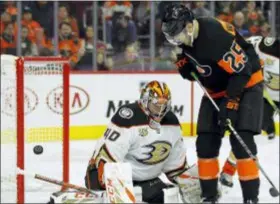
43,125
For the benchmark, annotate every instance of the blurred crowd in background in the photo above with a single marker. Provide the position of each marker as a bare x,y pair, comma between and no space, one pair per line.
123,30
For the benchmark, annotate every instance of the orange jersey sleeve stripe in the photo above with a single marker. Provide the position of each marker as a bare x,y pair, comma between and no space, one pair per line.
247,169
218,94
208,168
256,78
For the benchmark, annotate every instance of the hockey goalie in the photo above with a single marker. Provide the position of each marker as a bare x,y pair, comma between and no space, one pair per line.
147,135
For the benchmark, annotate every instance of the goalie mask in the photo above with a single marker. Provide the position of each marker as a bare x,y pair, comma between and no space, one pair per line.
155,100
178,24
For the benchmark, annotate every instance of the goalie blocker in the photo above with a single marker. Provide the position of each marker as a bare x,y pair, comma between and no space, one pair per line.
147,135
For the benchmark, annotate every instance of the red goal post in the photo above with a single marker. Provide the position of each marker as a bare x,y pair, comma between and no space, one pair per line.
46,70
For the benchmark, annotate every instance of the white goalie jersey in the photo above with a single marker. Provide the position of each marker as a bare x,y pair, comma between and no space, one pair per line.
268,50
129,138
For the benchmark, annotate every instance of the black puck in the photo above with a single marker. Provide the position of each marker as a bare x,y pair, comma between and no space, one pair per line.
38,149
273,192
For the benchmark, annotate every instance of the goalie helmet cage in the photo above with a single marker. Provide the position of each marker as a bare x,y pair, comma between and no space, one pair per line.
48,66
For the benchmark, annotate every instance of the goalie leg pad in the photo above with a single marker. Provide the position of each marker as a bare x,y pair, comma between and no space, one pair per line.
189,185
171,195
118,182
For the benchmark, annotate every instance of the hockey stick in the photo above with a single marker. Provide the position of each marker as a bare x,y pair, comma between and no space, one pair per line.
57,182
273,190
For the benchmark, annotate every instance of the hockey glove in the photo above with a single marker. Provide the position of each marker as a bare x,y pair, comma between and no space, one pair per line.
184,67
228,110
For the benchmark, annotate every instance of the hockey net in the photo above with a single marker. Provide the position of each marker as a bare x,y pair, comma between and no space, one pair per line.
34,111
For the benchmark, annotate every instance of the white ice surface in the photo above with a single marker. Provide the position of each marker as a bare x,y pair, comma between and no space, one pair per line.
48,164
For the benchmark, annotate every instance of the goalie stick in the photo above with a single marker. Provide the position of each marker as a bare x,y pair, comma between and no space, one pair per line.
65,185
273,190
57,182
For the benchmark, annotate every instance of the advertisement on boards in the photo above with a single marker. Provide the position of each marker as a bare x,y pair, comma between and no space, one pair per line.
94,98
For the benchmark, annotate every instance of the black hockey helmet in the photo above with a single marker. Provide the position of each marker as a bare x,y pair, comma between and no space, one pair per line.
175,16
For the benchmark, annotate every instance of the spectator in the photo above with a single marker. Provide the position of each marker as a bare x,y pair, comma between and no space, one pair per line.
42,11
7,40
225,13
110,7
83,14
120,29
254,17
5,20
63,16
36,32
28,48
11,9
142,17
239,23
44,44
188,4
32,25
200,9
265,29
159,36
132,52
104,56
69,44
167,57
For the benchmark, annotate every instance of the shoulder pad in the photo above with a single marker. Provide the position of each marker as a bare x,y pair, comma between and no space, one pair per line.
212,31
170,119
270,46
129,115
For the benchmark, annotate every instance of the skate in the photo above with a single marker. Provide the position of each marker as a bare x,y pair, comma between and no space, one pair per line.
271,136
255,200
211,200
226,180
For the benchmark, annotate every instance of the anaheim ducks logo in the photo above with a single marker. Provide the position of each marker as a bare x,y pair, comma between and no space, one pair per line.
272,81
158,152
